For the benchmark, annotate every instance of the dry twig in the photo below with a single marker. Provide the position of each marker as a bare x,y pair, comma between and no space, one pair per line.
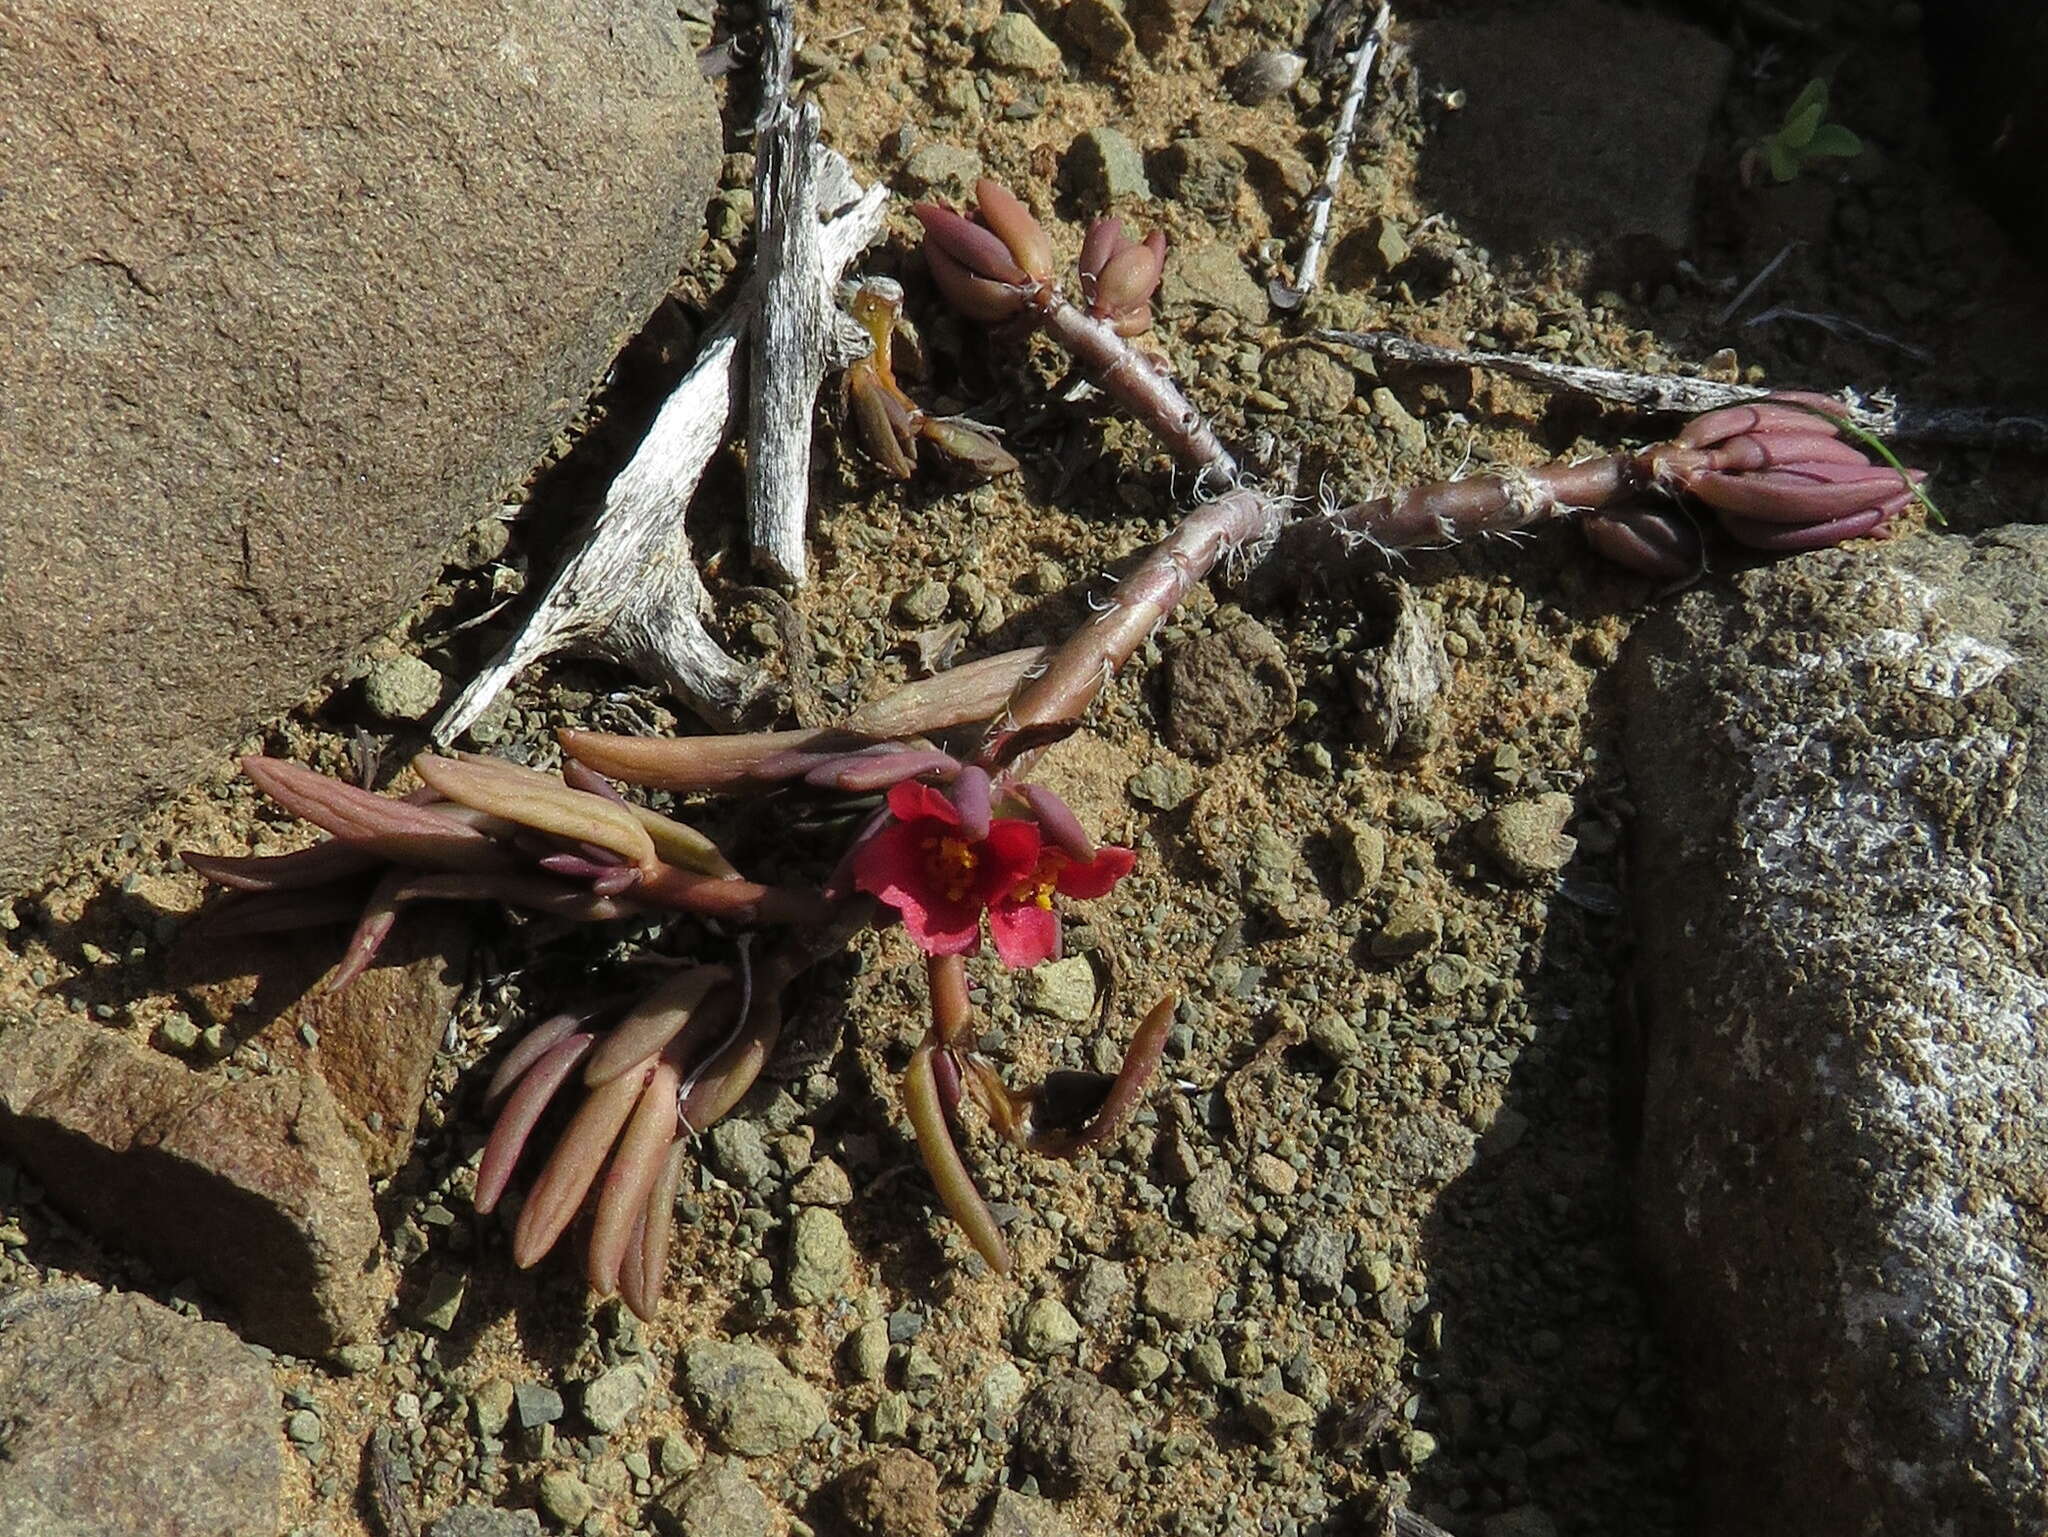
1964,427
1324,197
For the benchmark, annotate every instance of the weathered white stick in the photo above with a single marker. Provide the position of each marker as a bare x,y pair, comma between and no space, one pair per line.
1966,426
1324,197
630,592
790,341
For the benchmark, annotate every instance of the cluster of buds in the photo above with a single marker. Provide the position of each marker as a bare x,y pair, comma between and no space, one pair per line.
1776,475
955,841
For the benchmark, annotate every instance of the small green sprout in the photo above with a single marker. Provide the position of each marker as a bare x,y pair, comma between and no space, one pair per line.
1802,138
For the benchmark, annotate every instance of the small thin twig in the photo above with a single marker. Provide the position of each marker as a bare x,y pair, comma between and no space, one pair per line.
1763,276
1324,198
1963,426
1839,325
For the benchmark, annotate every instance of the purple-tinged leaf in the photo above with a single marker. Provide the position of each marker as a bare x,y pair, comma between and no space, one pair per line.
659,1018
530,1097
1057,821
315,866
622,1200
558,1194
645,1269
392,829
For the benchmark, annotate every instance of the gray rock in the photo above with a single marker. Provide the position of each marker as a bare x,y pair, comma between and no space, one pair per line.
1527,838
1265,75
1593,149
1228,691
1179,1294
1211,277
123,1417
820,1256
301,324
1063,989
1395,686
738,1152
1074,1432
613,1395
866,1351
1315,1254
1410,436
1023,1515
1162,786
1100,1291
536,1405
565,1497
402,688
1203,173
1841,853
252,1186
1315,384
483,1521
1045,1329
718,1500
1104,167
1362,857
1414,924
1015,44
947,170
824,1183
750,1400
1274,1416
1101,28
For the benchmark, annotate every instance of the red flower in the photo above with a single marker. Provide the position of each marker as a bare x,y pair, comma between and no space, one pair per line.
926,866
1026,928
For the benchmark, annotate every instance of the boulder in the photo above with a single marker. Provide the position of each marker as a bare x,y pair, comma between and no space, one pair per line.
123,1417
1842,772
291,295
251,1185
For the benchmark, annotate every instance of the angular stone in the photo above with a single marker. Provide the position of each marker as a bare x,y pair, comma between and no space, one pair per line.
1101,28
820,1256
1014,43
1104,167
750,1400
123,1417
1045,1329
277,341
1063,989
1841,852
1211,277
1023,1515
1527,838
718,1500
253,1187
483,1521
611,1397
375,1040
1179,1294
1228,691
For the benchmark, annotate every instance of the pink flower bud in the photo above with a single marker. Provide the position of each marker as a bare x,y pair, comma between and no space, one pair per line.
1658,542
1004,213
974,248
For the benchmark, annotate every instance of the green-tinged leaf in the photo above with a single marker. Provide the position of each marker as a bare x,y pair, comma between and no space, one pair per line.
539,801
1833,139
1783,163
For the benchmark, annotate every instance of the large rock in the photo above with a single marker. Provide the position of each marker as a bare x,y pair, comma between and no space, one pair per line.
289,296
1583,125
123,1417
253,1186
372,1043
1843,781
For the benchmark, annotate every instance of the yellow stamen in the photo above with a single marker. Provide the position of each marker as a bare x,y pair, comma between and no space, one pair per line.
951,863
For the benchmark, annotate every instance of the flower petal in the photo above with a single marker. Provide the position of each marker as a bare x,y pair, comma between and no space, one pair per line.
913,801
1025,933
1006,856
1095,877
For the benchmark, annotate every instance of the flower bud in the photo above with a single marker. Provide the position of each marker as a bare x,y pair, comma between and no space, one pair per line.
1661,543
